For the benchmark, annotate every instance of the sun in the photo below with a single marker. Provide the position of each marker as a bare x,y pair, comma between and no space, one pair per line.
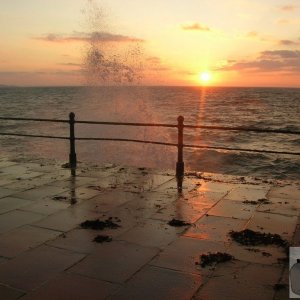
205,77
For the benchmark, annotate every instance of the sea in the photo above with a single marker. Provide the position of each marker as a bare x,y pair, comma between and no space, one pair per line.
263,108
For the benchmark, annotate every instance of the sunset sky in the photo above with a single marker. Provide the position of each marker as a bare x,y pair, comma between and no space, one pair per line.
239,42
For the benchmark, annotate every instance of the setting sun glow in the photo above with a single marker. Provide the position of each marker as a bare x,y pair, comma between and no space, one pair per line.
205,77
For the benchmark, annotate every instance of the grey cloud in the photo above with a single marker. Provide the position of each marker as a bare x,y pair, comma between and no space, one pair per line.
288,43
87,37
281,54
35,73
70,64
268,61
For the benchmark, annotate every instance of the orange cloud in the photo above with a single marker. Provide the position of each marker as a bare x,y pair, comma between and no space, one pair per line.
196,27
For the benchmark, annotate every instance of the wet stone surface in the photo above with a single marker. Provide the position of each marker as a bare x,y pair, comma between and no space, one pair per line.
118,232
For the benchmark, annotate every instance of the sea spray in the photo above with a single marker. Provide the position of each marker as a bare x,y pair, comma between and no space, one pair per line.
114,66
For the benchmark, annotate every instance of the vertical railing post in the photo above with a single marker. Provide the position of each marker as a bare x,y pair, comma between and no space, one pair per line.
180,163
72,155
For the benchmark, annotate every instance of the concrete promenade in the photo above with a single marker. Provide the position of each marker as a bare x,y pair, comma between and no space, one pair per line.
45,254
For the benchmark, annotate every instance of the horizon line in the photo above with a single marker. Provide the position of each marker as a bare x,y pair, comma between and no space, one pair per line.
152,85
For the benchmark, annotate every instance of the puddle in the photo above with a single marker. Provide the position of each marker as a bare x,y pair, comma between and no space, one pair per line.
100,225
214,258
178,223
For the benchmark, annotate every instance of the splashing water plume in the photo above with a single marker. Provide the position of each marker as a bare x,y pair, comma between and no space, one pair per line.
114,66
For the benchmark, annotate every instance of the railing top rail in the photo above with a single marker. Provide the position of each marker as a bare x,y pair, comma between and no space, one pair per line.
34,119
34,135
210,127
128,124
232,128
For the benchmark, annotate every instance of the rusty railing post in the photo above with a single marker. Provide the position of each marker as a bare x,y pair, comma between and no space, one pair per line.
180,163
72,155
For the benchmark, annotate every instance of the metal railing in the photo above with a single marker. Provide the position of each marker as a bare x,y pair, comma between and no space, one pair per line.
180,133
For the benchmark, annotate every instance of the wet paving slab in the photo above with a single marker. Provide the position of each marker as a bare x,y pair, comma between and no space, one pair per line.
214,228
156,283
152,233
107,201
274,223
40,192
71,286
184,253
281,206
16,218
24,238
250,193
240,280
47,206
291,191
11,203
232,209
6,163
45,252
181,210
78,240
66,219
4,192
34,268
265,255
9,293
114,262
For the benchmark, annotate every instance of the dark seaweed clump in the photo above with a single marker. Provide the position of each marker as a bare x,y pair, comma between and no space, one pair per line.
254,238
102,239
214,258
99,225
178,223
59,198
259,201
